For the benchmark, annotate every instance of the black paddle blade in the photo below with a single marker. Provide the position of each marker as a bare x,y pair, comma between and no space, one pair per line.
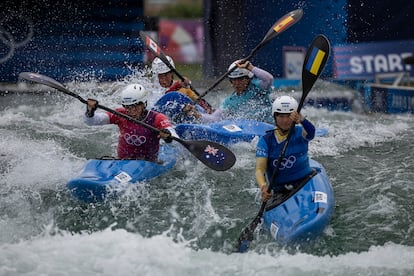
247,235
315,60
409,60
42,79
48,81
155,49
280,26
283,24
212,154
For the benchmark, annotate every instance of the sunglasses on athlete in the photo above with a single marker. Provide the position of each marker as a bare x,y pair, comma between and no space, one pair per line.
132,105
241,78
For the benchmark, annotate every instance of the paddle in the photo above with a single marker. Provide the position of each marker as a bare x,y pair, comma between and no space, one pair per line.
280,26
156,50
212,154
409,60
313,64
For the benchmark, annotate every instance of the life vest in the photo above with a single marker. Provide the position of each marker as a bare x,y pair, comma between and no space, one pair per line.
295,163
253,103
136,141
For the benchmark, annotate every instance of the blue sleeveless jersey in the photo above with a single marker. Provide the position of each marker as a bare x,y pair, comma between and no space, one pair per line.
295,163
254,104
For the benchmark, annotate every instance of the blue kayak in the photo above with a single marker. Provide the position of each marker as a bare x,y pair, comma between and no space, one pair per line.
172,104
300,214
303,213
224,132
229,132
103,178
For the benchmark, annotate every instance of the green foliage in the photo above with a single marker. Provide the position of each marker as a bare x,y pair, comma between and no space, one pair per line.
182,11
192,71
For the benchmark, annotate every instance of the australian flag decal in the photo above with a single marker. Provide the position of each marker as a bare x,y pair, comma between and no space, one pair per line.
213,155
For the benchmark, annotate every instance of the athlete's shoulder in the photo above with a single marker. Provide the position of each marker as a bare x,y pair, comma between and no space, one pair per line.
113,117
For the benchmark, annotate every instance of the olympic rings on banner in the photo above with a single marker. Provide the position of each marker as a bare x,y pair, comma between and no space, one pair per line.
15,32
7,39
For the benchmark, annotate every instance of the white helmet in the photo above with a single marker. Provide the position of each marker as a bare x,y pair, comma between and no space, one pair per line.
284,104
133,94
239,72
159,67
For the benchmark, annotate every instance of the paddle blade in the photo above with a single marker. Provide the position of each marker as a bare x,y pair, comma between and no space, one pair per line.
155,49
42,79
212,154
150,43
409,60
315,60
280,26
283,24
247,235
48,81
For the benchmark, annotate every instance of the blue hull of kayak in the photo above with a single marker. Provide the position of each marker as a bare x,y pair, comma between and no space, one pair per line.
304,215
224,132
172,104
229,131
102,178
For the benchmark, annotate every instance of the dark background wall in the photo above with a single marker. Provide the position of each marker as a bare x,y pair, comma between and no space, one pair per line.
64,39
234,28
77,39
380,20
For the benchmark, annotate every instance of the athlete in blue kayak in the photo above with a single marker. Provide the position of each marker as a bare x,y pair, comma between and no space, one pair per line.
166,80
250,99
295,165
135,141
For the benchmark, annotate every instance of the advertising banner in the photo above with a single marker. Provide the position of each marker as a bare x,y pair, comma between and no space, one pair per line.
292,62
182,39
363,61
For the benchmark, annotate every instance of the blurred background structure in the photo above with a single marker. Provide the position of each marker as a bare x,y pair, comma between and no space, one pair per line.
100,39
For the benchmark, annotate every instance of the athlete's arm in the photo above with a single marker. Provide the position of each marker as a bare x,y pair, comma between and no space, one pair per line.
100,118
213,117
162,122
266,79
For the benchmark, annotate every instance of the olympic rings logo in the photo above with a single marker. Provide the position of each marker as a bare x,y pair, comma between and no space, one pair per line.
134,139
15,32
287,163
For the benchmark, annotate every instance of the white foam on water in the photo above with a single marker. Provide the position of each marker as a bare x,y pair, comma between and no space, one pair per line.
118,252
32,165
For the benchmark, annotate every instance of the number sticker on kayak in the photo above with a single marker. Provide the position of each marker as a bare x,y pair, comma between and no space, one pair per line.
274,229
320,197
123,177
232,128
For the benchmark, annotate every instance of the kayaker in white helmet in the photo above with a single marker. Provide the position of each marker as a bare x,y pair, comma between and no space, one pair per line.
295,164
166,80
250,98
135,141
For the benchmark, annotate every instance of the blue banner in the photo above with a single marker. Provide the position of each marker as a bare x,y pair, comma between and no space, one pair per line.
70,39
363,61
